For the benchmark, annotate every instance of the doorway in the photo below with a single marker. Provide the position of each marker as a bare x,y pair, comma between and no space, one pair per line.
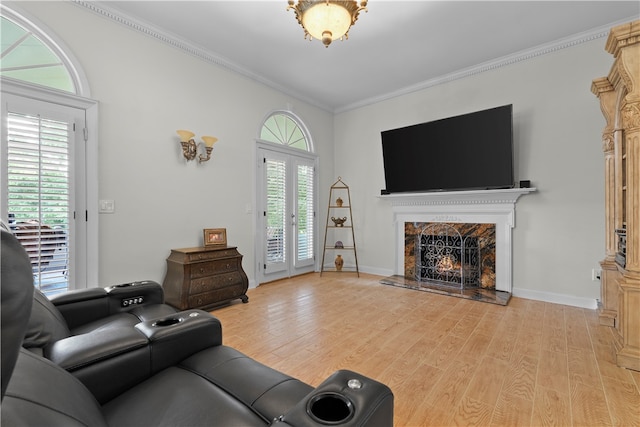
287,226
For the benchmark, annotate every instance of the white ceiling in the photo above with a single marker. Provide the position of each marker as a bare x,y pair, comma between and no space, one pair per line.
396,47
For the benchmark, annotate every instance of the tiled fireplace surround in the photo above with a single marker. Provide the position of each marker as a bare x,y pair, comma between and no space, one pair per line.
461,207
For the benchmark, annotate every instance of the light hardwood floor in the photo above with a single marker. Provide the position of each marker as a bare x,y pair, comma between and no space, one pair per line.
448,361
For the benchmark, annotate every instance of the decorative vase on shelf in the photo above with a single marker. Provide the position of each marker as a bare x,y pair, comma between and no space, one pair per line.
339,262
339,202
339,222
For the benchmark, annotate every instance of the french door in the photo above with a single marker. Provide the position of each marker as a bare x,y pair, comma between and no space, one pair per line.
42,192
287,226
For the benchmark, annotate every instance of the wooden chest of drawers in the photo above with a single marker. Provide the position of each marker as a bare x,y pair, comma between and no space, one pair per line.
204,277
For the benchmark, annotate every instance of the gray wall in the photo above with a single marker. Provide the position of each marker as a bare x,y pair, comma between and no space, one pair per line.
148,89
559,233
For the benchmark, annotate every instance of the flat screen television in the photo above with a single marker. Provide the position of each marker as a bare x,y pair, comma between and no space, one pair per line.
468,152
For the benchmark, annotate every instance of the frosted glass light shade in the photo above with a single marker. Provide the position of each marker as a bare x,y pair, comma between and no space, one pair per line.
327,20
326,17
185,135
209,140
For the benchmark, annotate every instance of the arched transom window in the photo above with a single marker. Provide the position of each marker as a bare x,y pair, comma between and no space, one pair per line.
29,57
283,128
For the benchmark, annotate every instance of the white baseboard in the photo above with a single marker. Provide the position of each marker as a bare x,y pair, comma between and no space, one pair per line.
377,271
556,298
369,270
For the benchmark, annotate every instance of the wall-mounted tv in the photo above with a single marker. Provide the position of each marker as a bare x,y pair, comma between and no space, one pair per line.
468,152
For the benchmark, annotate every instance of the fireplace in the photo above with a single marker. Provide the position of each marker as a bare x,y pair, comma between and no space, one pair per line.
459,255
446,257
485,215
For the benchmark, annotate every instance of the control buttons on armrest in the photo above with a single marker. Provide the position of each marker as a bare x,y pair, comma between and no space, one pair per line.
132,301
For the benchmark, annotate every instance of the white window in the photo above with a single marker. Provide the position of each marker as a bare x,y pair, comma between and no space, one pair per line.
39,194
30,56
48,192
43,154
287,198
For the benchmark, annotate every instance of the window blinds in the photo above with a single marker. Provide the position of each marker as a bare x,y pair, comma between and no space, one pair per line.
305,213
38,188
276,210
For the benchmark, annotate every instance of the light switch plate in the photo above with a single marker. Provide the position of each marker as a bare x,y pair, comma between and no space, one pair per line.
107,206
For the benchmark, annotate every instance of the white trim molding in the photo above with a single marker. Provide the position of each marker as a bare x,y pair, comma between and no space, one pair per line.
476,206
570,300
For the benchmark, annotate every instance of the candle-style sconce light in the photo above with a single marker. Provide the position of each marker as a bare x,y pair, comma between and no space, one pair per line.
190,148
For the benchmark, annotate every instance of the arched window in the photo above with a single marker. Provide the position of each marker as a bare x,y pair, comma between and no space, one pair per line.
284,128
286,184
30,56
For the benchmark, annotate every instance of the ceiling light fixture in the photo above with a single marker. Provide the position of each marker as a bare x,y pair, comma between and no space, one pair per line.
327,20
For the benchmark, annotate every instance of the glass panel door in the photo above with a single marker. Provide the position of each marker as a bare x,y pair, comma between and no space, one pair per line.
41,157
275,215
305,213
287,224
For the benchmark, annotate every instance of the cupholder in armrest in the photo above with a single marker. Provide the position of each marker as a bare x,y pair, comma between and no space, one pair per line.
124,285
330,408
132,284
346,398
168,321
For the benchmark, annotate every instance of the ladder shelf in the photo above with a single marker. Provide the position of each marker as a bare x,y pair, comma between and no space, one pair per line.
339,229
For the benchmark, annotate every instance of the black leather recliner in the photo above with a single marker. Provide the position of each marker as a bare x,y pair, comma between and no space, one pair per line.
189,378
87,330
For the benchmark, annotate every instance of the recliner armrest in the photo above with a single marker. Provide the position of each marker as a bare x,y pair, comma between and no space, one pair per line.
125,296
175,337
344,399
78,295
82,306
107,361
78,351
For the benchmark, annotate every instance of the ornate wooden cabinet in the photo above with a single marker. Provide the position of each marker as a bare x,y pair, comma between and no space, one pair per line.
204,277
619,95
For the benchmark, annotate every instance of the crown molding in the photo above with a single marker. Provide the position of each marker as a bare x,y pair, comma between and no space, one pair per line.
108,12
104,10
524,55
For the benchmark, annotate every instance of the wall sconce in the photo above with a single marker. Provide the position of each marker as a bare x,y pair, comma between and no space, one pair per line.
190,148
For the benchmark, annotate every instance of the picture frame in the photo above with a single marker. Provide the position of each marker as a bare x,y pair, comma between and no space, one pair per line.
215,237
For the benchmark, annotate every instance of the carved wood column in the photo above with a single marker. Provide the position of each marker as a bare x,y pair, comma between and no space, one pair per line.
608,307
624,44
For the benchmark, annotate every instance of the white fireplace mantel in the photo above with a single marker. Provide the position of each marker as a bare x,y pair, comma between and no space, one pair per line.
471,197
476,206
